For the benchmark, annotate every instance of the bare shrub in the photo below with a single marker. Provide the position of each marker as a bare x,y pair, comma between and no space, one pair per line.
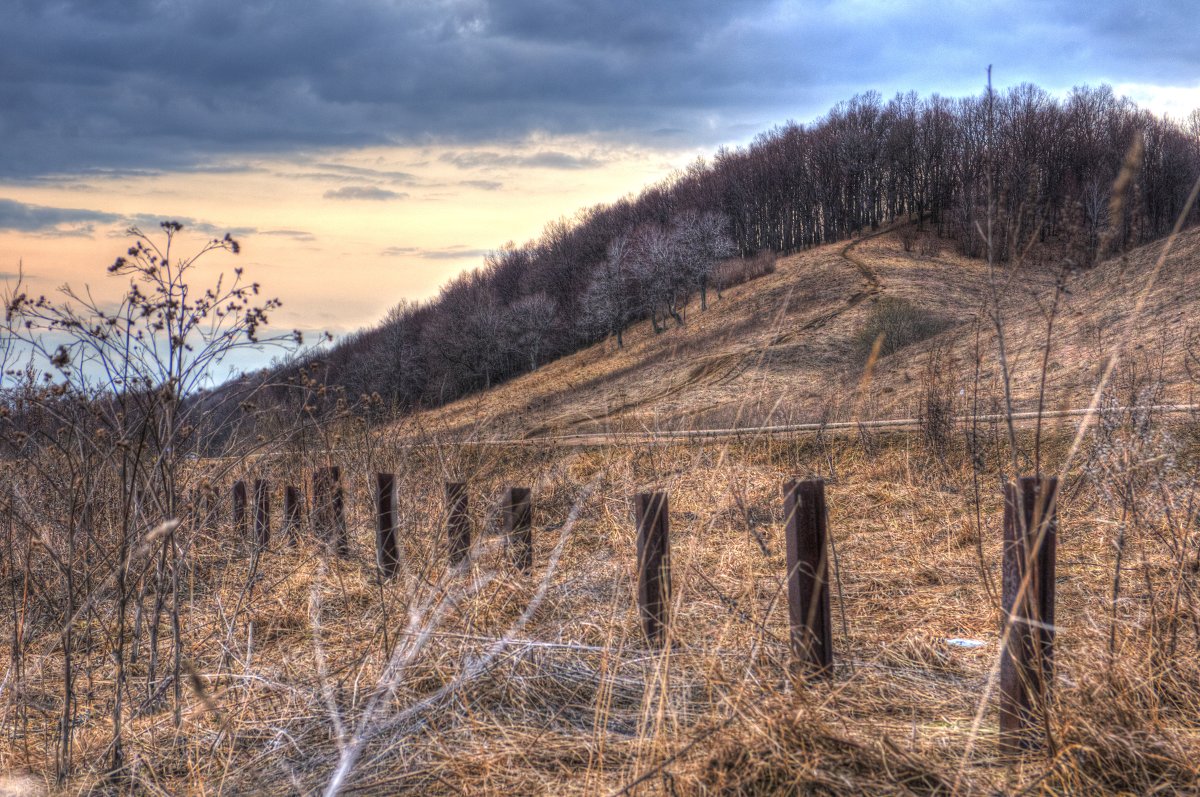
737,270
900,323
938,406
929,245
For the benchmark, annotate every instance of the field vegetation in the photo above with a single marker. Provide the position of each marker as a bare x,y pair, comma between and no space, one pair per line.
161,642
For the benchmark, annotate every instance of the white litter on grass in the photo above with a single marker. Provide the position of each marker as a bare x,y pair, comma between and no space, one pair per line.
955,642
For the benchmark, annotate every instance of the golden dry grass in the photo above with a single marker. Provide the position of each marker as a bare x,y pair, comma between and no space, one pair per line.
484,681
573,702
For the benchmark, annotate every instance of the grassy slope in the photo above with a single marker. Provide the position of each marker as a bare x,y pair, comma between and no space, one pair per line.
781,348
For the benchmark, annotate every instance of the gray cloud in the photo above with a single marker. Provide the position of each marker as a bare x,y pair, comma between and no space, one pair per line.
47,220
368,192
150,222
360,172
456,252
482,185
340,173
538,160
145,85
295,235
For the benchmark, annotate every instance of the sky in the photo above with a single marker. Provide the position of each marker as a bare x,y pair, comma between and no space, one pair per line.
365,151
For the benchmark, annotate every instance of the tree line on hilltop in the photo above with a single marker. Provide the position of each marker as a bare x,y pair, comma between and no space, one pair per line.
1044,166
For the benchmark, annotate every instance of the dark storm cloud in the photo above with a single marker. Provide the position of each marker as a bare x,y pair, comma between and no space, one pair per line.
154,85
368,192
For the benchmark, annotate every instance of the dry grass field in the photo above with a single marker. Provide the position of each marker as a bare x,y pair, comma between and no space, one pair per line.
304,673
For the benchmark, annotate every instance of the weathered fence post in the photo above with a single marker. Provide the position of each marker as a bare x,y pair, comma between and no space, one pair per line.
387,549
518,527
458,521
291,513
653,564
262,512
1027,657
808,576
208,513
330,508
240,528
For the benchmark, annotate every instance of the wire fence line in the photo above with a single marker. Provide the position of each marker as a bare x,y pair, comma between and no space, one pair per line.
742,432
902,424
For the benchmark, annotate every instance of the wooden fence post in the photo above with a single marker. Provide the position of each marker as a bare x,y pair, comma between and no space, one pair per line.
458,521
262,512
208,513
518,527
387,549
291,513
240,528
322,505
1027,658
330,509
653,564
808,576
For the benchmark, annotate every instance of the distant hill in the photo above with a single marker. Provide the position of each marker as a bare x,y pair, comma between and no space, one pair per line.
1059,182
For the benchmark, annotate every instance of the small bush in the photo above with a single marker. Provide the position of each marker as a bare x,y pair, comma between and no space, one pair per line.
900,322
737,270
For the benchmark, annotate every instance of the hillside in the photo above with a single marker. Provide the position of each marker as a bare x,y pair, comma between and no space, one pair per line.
787,347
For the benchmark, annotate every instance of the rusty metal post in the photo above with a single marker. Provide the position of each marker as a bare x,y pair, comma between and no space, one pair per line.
387,548
262,513
653,565
291,513
240,527
518,527
458,521
1027,597
808,576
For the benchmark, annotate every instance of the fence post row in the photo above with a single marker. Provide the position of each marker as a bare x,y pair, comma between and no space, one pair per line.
518,527
1030,537
262,512
458,521
291,513
1027,597
808,576
653,564
329,508
239,510
387,549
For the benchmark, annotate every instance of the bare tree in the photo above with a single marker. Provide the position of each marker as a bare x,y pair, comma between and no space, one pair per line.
612,301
